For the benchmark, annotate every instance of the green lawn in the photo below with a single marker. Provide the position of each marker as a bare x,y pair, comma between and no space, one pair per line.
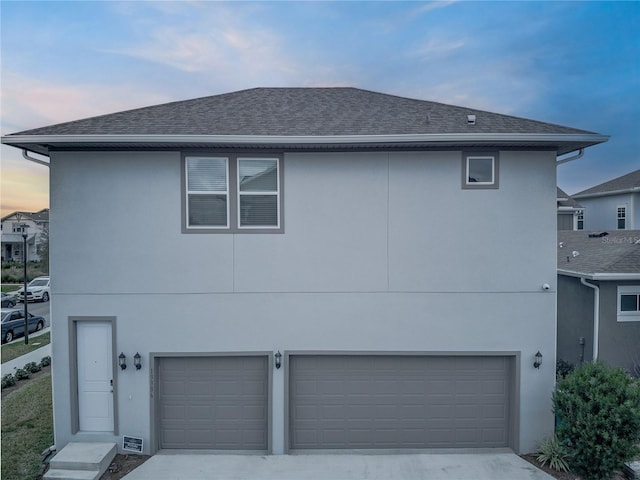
14,350
11,287
27,428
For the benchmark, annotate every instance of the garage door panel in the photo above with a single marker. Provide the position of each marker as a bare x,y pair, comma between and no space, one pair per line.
370,401
213,402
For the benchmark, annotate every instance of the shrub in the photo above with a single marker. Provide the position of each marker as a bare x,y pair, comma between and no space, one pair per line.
32,367
8,380
46,361
554,452
599,409
563,368
21,374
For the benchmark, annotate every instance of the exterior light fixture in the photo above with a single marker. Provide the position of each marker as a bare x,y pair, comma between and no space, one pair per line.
538,361
122,361
278,359
136,361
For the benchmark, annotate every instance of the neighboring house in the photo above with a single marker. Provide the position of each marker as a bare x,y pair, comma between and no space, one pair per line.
37,228
598,297
612,205
304,269
570,212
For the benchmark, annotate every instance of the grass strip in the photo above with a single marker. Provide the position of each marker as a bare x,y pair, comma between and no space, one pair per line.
27,428
17,349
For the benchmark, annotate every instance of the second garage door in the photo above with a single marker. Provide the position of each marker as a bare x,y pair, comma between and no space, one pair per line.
216,402
404,401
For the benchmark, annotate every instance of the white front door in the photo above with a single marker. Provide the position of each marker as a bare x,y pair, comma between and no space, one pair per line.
95,376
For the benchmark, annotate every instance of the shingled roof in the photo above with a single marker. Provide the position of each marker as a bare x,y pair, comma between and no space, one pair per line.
599,255
624,184
310,116
565,200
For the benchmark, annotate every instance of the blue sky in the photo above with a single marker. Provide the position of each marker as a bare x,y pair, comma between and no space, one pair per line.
571,63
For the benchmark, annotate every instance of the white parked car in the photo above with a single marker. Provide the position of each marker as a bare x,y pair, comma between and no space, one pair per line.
38,289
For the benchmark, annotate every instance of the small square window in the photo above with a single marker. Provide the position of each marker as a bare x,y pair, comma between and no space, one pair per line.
480,171
629,303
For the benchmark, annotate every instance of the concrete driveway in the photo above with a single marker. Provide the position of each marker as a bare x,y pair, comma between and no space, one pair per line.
441,466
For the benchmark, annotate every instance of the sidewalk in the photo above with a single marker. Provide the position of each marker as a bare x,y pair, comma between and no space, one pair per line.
35,356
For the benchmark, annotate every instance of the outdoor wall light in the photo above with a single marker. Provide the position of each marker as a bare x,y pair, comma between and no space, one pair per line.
538,361
137,361
122,361
278,359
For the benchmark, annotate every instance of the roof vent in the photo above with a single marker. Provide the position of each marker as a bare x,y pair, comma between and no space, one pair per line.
471,119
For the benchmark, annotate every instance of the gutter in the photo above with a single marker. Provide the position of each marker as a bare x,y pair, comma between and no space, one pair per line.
601,276
308,139
606,194
25,154
596,315
570,159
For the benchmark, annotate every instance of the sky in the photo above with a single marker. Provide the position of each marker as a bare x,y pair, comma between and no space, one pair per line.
571,63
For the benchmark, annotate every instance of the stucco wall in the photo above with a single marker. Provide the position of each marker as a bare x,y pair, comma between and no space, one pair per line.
575,320
601,212
618,342
382,252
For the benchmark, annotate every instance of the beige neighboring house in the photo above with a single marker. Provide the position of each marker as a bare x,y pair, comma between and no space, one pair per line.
13,226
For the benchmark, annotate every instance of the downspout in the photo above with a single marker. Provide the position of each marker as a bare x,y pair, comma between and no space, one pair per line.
25,154
596,314
569,159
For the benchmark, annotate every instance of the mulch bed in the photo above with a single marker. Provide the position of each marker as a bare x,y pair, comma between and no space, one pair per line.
122,465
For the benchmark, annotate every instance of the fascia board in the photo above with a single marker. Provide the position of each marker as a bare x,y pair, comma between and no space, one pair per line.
600,276
306,139
610,193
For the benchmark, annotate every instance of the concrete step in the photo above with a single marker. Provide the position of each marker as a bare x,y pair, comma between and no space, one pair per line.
81,461
57,474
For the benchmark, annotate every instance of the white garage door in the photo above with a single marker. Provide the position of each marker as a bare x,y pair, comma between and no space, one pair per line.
369,401
217,403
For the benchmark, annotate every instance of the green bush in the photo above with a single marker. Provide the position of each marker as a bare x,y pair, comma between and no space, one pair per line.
563,368
554,452
32,367
599,412
22,374
46,361
8,380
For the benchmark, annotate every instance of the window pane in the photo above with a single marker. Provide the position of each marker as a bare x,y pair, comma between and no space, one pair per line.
258,211
207,210
258,175
480,169
206,174
628,303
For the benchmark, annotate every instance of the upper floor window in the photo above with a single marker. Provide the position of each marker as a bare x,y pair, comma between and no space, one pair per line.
628,303
232,194
18,227
622,217
480,170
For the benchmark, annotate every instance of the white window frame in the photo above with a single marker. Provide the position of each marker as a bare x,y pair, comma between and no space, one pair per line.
240,194
495,163
205,192
233,194
633,316
621,208
579,218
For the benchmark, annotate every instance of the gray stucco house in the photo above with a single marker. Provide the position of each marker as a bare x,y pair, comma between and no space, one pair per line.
570,212
304,269
612,205
598,297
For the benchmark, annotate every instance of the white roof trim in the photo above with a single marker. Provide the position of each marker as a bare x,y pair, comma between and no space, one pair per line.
605,194
305,139
601,276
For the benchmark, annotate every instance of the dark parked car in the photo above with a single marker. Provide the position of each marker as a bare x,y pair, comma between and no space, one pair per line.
8,301
13,324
